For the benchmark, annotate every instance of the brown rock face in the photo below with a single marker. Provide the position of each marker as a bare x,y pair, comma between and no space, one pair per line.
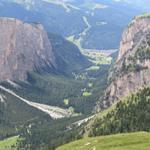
132,69
23,48
134,34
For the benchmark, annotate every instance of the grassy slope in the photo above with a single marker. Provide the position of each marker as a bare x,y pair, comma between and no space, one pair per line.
9,143
132,141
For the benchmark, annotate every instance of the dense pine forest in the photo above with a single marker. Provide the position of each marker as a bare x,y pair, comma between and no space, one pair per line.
130,115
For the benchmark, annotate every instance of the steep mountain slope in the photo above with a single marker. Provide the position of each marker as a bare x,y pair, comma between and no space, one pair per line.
131,71
68,56
14,113
130,114
82,21
24,48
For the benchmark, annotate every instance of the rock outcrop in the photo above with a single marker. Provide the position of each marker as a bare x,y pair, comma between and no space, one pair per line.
132,69
23,48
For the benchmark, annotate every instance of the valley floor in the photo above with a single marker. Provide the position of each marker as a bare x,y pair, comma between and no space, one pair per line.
132,141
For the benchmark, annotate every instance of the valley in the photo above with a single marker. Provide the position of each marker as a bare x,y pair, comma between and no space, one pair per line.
78,88
65,83
82,82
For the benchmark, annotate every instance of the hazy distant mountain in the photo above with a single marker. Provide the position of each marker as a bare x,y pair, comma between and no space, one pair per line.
91,24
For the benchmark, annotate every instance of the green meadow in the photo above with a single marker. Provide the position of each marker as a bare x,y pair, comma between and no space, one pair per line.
130,141
9,143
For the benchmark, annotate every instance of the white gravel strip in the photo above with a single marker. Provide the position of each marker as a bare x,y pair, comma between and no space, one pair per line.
53,111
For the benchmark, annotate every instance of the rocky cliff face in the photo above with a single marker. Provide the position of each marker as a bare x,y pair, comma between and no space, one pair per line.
23,48
132,69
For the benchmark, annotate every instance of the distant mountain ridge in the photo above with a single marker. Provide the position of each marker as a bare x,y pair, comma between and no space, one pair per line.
91,26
